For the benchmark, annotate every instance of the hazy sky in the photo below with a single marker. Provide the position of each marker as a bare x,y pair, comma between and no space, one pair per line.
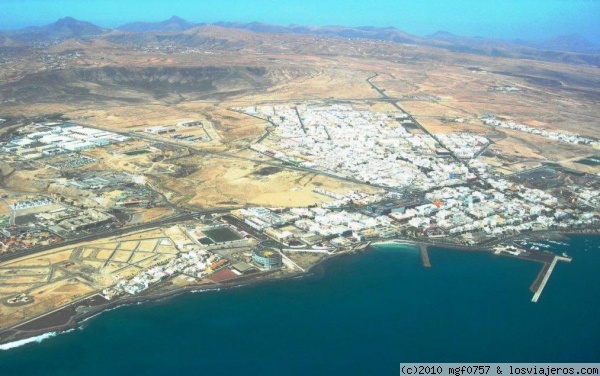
506,19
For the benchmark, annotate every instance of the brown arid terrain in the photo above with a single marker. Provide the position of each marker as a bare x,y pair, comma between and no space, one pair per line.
59,277
127,82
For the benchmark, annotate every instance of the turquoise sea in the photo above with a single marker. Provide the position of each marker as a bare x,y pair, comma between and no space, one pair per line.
357,315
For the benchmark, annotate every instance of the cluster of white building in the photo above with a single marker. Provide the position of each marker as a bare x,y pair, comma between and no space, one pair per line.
43,140
194,263
341,200
159,130
163,130
590,197
463,145
262,218
314,224
375,147
562,136
368,146
504,89
26,204
327,223
503,209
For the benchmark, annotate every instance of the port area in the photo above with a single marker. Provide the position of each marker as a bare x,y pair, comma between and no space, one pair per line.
540,282
546,258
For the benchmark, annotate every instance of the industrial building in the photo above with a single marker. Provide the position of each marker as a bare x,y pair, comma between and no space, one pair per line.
89,219
39,141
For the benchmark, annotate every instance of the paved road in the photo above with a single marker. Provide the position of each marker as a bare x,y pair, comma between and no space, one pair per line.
114,232
190,215
394,103
275,163
182,216
300,120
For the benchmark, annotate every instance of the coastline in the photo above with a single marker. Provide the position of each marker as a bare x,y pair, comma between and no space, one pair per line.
77,314
74,319
41,327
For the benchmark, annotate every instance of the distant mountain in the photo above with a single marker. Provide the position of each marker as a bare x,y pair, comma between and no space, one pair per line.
567,43
172,24
64,28
207,36
453,38
256,26
366,32
8,42
442,35
473,45
571,49
443,39
571,43
68,27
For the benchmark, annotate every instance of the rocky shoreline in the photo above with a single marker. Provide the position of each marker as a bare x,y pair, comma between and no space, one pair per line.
75,315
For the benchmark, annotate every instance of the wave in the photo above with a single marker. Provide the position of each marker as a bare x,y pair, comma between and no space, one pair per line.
22,342
36,339
205,290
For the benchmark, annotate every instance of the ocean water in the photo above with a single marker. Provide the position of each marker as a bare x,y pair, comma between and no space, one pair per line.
357,315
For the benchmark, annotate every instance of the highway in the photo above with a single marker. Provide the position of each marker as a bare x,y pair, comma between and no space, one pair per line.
300,120
182,216
394,103
223,154
189,215
283,165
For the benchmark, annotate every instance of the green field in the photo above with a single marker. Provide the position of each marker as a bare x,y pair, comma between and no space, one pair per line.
221,234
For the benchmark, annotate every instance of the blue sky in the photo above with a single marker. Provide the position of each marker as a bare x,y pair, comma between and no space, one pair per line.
505,19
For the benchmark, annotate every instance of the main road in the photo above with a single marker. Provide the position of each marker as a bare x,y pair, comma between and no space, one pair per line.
394,102
191,215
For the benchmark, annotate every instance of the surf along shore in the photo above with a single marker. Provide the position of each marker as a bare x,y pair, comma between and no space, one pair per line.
75,315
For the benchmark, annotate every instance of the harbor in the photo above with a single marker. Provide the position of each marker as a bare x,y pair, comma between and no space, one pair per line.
202,313
547,258
540,282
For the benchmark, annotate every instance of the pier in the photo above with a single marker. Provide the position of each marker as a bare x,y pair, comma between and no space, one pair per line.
424,256
546,258
538,285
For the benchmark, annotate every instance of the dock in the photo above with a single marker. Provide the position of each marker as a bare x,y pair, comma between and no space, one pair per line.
544,276
424,256
546,258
